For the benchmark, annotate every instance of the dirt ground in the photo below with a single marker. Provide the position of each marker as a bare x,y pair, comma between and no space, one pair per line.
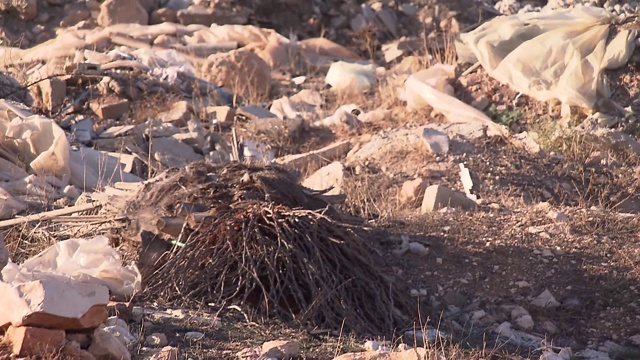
565,220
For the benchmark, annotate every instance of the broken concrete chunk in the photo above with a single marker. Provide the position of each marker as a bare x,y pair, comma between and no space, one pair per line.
53,303
178,115
83,131
528,142
173,153
412,189
221,113
545,300
256,113
328,177
281,349
438,197
106,346
314,158
436,141
54,91
33,341
111,110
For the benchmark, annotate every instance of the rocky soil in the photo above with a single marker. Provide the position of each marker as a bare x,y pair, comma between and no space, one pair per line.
500,227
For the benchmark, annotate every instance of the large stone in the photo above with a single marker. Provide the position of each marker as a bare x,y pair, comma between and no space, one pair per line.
412,189
178,114
330,176
110,110
281,349
73,350
437,197
54,304
122,12
173,153
241,71
106,347
33,341
437,141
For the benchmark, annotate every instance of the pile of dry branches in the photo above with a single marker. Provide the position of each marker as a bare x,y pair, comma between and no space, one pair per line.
262,249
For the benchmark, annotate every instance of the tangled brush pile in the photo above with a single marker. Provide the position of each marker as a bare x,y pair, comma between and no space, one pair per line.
268,247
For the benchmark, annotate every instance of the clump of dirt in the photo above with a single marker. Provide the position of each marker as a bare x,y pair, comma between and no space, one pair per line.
264,246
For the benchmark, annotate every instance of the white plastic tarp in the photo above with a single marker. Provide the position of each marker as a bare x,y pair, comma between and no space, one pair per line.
559,54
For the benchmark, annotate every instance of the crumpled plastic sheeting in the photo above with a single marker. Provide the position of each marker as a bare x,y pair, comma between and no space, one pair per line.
559,54
86,260
431,87
45,150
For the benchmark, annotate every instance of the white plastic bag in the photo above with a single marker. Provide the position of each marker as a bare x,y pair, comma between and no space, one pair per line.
86,260
559,54
431,87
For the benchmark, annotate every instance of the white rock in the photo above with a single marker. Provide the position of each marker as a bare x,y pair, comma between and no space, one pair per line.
525,322
545,300
436,141
635,339
547,253
281,349
330,176
373,345
518,311
590,354
52,303
549,327
122,334
106,346
504,330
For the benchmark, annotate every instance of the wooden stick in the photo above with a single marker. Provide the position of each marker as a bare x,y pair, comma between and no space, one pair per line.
48,215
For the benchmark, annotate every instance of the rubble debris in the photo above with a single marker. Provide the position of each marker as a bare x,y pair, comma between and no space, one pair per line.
111,110
545,300
437,197
178,114
53,303
106,346
436,141
412,190
224,114
34,341
281,349
166,353
328,179
172,153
